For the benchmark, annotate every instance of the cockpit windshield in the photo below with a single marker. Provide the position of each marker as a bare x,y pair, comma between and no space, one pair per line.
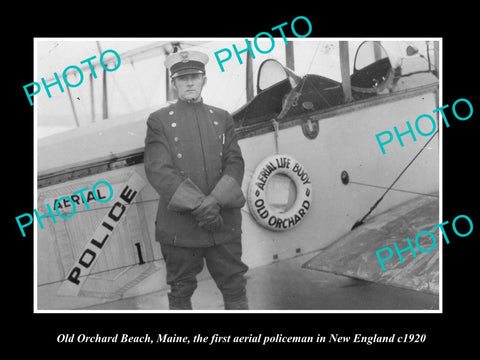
341,74
271,72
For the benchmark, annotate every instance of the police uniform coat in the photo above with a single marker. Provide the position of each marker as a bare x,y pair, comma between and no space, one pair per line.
190,149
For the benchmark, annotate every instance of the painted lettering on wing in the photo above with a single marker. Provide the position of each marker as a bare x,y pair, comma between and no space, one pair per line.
67,203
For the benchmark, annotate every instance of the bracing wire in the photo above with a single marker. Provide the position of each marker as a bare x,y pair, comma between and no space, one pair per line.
360,222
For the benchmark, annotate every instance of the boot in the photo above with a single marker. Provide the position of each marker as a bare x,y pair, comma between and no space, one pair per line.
239,304
178,303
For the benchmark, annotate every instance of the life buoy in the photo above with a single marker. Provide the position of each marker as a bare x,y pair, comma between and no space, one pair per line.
266,215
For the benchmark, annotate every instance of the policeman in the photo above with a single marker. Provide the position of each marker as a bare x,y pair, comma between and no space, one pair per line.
192,159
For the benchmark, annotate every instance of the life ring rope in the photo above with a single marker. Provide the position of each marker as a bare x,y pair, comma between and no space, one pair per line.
266,215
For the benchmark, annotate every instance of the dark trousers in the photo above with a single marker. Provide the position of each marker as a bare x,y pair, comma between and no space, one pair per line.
224,264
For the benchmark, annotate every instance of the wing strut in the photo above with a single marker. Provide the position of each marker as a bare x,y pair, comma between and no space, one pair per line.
249,77
345,71
104,89
92,98
73,106
289,56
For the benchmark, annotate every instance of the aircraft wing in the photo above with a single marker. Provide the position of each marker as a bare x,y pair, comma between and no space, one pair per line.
354,255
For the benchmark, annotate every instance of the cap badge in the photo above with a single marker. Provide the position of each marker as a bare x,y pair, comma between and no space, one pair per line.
184,56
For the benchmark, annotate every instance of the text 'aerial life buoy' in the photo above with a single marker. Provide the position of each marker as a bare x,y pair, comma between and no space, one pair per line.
266,215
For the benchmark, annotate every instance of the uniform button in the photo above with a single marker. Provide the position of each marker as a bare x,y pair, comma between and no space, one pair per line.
215,122
182,172
175,139
211,111
171,112
174,124
221,153
179,156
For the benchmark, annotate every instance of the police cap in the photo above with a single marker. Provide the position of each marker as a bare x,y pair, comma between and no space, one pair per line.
186,62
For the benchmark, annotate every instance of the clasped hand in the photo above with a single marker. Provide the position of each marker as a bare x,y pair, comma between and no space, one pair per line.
207,214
